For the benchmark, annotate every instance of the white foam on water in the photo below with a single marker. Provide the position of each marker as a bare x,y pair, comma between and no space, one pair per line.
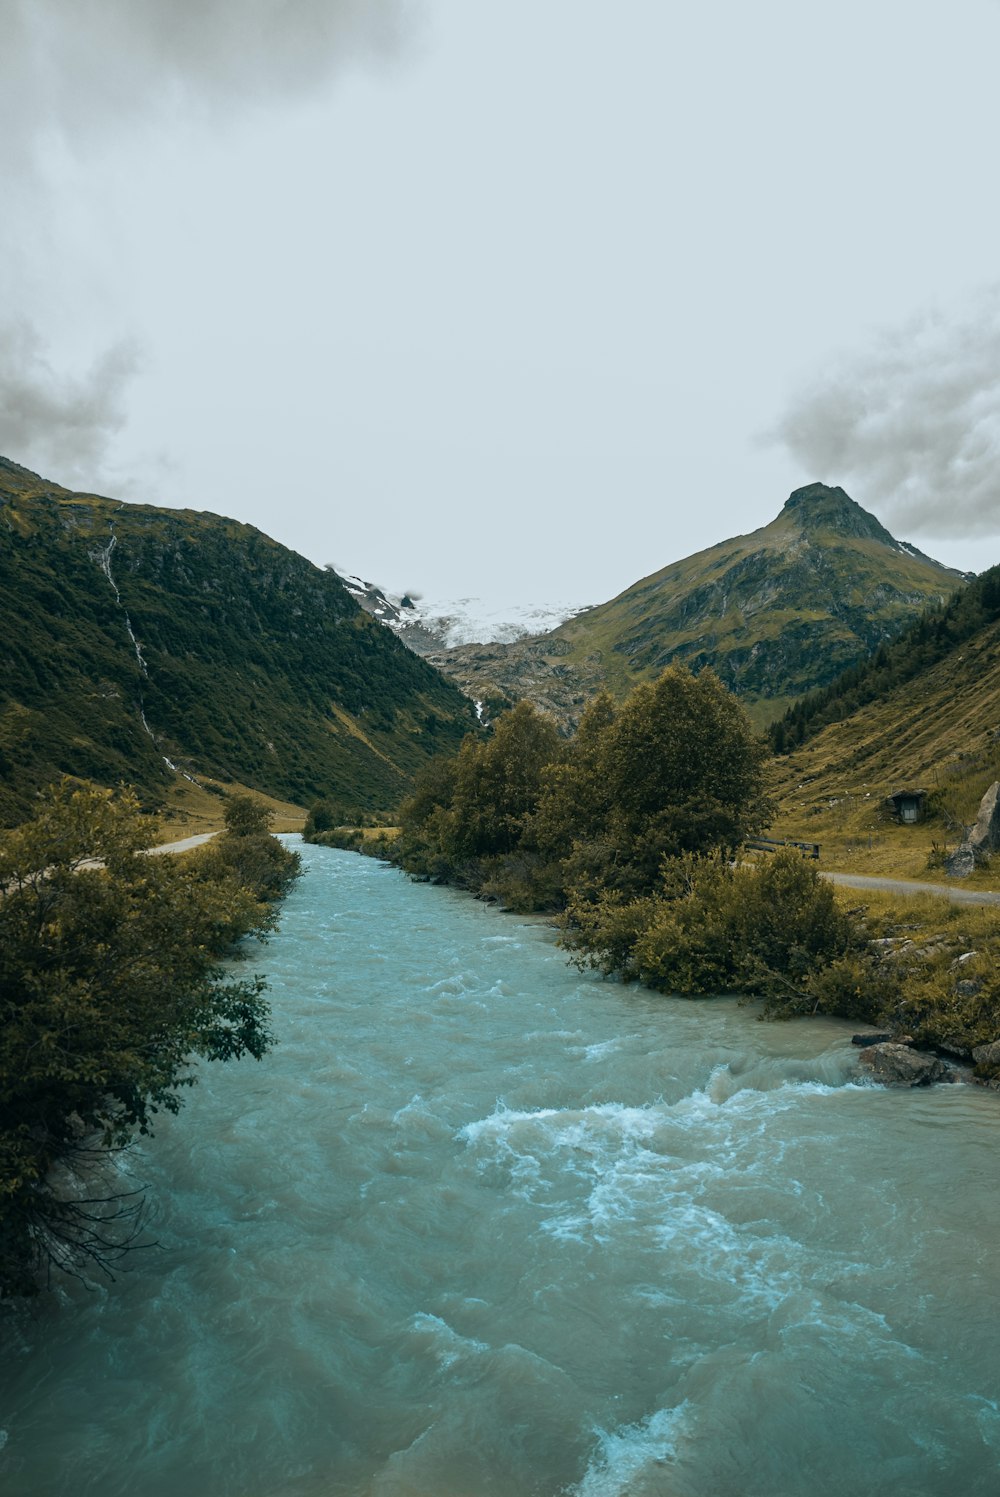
632,1451
573,1035
607,1047
761,1284
445,1344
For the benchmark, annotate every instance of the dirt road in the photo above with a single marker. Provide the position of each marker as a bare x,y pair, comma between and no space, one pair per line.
912,886
185,844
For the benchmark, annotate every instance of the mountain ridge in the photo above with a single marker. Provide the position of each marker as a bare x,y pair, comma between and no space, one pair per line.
146,642
775,613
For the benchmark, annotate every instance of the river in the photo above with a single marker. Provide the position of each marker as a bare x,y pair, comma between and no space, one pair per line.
480,1226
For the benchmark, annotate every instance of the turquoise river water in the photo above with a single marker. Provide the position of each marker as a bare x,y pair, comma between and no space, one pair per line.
480,1226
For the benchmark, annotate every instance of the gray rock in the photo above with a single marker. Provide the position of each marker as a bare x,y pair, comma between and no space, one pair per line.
985,835
898,1065
987,1055
953,1044
969,987
877,1037
982,839
960,863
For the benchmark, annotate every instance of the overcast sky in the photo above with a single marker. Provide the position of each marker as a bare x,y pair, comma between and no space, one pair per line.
521,300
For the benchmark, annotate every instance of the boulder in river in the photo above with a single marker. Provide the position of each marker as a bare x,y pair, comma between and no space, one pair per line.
876,1037
987,1055
898,1065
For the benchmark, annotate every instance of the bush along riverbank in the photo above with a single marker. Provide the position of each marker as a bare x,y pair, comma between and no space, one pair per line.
631,833
112,986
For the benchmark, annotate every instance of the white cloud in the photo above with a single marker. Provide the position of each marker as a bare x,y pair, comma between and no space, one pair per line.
61,424
78,65
912,423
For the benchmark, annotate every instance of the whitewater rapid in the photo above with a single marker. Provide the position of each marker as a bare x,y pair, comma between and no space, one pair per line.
480,1226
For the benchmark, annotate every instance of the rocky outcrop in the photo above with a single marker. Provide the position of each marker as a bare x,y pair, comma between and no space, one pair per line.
898,1065
982,840
987,1055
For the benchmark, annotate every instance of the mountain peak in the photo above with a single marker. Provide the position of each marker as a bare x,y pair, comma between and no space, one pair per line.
817,506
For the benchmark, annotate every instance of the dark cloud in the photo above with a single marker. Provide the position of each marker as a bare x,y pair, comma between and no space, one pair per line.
912,424
60,424
73,65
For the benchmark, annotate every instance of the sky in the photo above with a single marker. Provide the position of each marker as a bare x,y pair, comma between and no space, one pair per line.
520,301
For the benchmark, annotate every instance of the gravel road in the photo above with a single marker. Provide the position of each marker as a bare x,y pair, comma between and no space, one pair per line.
911,886
185,844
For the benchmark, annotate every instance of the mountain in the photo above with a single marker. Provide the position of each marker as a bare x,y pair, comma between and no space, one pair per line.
428,626
141,643
775,613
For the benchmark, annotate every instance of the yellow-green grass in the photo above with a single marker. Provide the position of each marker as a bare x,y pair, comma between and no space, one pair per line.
193,809
939,733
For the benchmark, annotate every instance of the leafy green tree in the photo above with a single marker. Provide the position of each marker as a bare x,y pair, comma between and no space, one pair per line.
498,783
526,817
245,816
322,817
246,851
110,988
575,800
676,768
424,820
684,771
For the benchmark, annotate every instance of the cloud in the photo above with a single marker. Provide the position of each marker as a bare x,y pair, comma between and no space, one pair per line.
912,423
60,424
76,65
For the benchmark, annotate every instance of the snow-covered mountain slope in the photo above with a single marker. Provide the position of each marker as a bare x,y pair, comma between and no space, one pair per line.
425,624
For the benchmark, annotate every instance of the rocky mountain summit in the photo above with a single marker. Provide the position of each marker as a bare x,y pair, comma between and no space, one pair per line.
775,613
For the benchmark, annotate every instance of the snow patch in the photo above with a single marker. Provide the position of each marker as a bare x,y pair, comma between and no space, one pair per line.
458,621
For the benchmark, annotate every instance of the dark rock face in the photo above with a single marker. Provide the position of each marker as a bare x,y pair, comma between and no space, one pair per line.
898,1065
877,1037
953,1044
816,506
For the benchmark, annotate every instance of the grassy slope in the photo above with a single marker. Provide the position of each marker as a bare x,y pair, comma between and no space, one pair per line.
261,669
938,731
773,612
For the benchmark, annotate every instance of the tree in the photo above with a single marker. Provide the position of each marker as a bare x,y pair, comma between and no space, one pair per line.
110,986
575,803
677,769
246,851
498,782
246,817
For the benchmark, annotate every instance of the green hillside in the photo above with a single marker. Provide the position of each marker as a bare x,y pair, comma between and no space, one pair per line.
775,613
924,713
136,635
